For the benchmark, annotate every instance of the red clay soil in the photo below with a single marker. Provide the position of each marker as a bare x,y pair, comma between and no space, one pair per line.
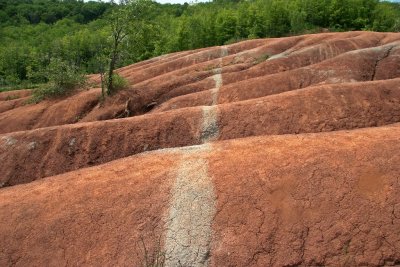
192,79
13,103
360,65
378,63
241,70
312,199
149,69
49,151
49,113
187,81
269,152
100,219
9,95
29,155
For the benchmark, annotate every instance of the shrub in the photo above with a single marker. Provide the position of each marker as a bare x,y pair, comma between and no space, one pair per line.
62,79
119,82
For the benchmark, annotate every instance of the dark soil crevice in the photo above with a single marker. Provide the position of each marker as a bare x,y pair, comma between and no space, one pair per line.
385,55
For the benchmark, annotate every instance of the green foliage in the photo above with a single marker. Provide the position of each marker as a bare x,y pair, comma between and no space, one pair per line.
261,59
62,79
63,75
226,24
386,18
35,32
24,85
50,11
119,82
129,20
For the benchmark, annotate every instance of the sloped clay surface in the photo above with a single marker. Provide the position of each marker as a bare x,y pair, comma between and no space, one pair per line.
310,199
269,152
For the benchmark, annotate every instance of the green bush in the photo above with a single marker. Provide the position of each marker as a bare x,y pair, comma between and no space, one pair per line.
119,82
64,76
62,79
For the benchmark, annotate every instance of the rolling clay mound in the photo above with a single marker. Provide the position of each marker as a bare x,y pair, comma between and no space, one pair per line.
241,71
29,155
312,199
10,95
268,152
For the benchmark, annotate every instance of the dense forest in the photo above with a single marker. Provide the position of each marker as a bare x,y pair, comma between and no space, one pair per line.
35,32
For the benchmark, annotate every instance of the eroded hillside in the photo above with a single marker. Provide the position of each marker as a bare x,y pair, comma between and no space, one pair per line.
277,152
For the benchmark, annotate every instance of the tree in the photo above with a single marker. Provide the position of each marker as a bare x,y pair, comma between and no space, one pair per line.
140,29
225,26
278,20
124,20
386,18
317,11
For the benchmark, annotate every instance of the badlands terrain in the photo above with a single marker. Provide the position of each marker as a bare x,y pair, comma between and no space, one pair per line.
268,152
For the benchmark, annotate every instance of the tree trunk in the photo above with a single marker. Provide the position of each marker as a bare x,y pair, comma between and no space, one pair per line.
103,89
110,86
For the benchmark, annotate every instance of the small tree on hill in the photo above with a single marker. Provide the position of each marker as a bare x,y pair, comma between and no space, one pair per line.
125,20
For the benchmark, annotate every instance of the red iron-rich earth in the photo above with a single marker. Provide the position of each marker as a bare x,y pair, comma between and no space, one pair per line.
269,152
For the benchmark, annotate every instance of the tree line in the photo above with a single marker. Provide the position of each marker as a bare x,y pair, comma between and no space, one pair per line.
33,33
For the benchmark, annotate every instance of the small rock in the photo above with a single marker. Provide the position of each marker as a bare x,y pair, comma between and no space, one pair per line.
72,142
32,145
9,141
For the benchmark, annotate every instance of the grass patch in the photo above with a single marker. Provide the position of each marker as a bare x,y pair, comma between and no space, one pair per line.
21,86
261,59
154,258
11,97
210,67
